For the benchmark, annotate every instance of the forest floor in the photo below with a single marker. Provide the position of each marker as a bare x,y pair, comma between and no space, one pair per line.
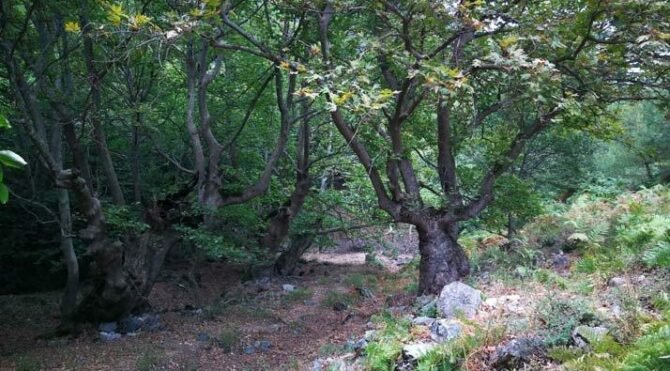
567,294
209,327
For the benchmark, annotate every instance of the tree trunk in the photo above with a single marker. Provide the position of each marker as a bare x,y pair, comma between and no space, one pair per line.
125,274
278,228
69,301
288,260
442,259
99,136
136,167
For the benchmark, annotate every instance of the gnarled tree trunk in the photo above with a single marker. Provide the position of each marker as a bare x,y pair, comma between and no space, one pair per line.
442,258
125,274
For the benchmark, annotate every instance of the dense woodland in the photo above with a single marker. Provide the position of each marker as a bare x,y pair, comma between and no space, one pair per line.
497,143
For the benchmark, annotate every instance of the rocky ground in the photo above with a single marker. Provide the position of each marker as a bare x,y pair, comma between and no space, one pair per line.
324,317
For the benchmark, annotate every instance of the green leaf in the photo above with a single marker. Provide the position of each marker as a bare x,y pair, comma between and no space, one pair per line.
4,123
4,194
11,159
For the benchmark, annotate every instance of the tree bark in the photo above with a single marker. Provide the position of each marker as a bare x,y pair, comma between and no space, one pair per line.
126,272
288,260
100,138
442,259
69,301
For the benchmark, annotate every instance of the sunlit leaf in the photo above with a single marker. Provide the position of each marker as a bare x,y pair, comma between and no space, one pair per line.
72,26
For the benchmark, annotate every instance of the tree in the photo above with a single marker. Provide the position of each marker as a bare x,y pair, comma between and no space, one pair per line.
491,76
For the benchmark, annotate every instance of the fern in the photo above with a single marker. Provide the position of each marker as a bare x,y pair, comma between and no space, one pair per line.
658,256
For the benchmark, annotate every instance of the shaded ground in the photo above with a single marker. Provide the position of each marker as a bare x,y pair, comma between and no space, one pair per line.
209,327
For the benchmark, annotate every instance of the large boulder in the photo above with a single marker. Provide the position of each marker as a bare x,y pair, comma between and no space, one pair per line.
458,298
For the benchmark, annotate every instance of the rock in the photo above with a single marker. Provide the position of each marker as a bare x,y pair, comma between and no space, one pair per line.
151,322
202,337
515,353
309,302
416,351
560,261
108,327
443,330
370,335
249,349
109,336
616,282
423,321
356,345
288,288
130,324
491,302
317,365
339,306
263,345
458,297
584,335
642,280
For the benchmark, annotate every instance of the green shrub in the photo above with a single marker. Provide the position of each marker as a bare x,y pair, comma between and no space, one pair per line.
651,352
229,339
335,297
382,355
560,316
658,256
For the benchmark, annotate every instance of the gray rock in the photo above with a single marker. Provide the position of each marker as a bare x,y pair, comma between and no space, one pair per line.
108,327
109,336
443,330
130,324
249,349
616,282
517,352
317,365
559,261
356,345
584,335
423,321
202,337
370,335
458,297
150,322
263,345
309,302
288,288
416,351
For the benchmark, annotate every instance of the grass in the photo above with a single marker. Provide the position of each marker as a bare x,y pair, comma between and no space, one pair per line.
152,359
330,349
298,295
333,297
26,363
229,339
